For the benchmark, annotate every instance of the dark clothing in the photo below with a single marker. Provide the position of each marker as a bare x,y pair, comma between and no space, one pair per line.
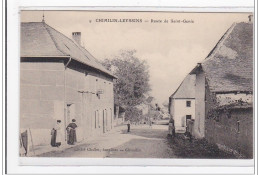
173,132
128,127
24,140
72,125
53,137
71,133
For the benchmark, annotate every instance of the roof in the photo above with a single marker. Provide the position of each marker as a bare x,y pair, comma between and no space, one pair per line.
229,66
38,39
186,88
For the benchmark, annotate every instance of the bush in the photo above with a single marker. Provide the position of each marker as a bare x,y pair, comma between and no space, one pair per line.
133,114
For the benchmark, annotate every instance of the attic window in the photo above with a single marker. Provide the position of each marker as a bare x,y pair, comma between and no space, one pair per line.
188,103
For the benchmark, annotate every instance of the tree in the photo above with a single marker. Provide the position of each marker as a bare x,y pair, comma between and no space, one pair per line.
133,79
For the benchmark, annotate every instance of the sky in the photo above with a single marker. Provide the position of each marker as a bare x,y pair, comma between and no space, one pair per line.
172,50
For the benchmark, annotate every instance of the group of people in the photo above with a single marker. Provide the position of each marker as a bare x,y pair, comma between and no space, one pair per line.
56,136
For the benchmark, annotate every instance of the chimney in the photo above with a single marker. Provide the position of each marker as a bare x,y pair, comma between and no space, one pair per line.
251,18
76,36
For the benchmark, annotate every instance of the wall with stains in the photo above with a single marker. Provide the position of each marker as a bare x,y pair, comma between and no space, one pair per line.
199,123
232,131
44,99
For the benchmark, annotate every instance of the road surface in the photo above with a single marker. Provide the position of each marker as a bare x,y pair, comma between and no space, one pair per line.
141,142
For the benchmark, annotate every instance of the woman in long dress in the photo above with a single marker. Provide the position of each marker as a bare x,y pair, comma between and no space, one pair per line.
53,137
71,130
56,135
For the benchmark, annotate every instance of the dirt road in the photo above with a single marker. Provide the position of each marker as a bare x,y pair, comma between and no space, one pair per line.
141,142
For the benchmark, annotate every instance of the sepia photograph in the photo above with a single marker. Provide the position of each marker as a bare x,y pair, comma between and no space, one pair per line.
165,85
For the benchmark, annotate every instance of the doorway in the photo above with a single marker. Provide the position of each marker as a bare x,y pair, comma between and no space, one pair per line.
188,117
70,112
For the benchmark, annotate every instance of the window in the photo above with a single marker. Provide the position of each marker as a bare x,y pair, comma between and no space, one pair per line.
96,117
96,121
238,126
188,103
188,117
104,90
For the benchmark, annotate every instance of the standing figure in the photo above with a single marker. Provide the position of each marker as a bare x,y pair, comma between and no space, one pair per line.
150,124
23,143
170,128
56,135
53,137
128,126
71,130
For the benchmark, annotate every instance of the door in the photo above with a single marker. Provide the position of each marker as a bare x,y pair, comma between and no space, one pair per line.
70,113
188,117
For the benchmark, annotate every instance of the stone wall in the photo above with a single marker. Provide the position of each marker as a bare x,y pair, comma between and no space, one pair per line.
233,131
229,127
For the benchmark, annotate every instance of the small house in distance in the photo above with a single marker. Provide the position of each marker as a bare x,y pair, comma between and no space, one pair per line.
60,80
182,104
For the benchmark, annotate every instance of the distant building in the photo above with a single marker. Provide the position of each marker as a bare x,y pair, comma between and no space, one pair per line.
61,80
224,90
182,103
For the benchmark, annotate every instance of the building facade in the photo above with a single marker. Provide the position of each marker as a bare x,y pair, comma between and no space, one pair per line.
60,80
182,104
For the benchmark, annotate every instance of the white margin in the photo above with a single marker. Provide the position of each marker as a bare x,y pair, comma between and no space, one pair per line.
198,166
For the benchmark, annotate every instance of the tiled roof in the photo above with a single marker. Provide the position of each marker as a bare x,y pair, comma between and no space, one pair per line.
40,40
186,88
229,66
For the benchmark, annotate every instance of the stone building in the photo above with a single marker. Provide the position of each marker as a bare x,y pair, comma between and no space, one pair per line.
59,79
224,90
222,93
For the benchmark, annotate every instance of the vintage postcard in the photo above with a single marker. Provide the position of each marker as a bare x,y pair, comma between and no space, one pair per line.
97,84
